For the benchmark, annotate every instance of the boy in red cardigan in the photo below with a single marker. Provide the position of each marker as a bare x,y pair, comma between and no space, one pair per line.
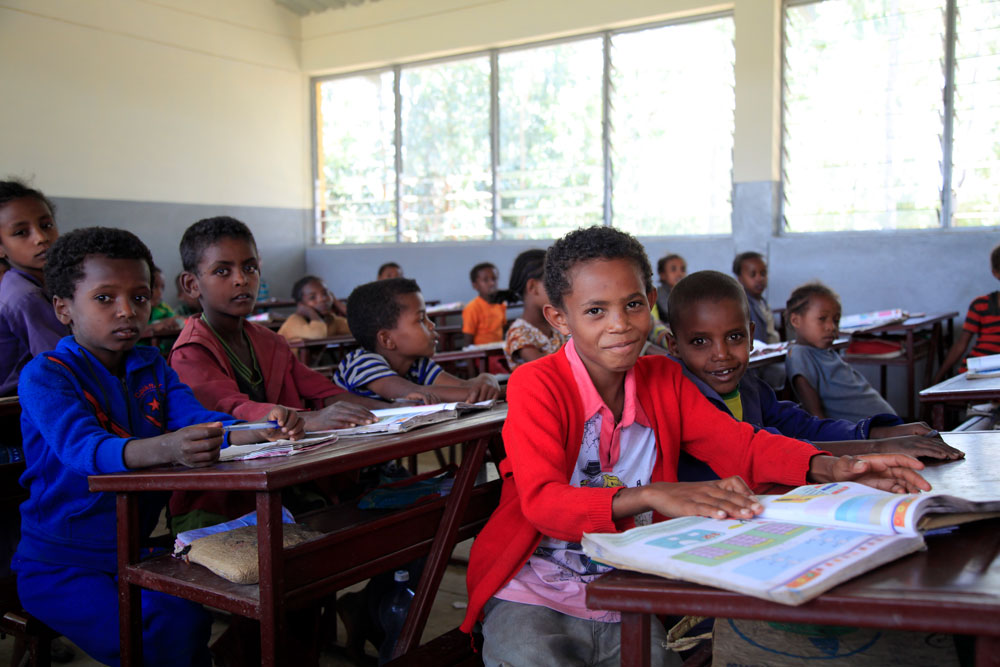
592,436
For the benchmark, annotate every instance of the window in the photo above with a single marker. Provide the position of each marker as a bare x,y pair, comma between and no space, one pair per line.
631,128
869,113
551,166
672,139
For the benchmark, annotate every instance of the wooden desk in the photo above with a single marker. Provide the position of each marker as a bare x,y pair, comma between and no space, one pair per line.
958,390
354,547
268,304
913,350
952,587
10,406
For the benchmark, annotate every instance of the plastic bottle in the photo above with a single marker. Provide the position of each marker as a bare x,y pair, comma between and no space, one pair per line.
392,613
264,292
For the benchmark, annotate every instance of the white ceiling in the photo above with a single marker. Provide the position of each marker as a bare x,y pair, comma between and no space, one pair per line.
303,7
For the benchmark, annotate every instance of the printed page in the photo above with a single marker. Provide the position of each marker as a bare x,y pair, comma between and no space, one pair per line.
846,504
276,448
785,562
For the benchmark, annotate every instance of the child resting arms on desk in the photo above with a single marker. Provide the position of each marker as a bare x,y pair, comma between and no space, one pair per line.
99,404
712,337
592,437
388,318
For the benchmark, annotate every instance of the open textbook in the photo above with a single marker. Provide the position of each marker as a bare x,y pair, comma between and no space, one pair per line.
865,321
805,542
397,420
277,448
983,367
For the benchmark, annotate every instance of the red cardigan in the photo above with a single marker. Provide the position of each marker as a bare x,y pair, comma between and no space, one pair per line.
543,434
200,361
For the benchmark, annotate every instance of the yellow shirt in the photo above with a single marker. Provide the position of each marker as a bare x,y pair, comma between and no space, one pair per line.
735,404
484,321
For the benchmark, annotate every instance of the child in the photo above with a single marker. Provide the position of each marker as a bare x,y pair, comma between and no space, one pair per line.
98,404
482,318
187,304
237,366
162,318
389,320
314,317
389,270
712,336
28,325
586,419
671,268
826,385
982,321
531,336
750,269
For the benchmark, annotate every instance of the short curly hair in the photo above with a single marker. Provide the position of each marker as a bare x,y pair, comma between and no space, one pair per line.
703,286
745,257
589,243
64,260
374,306
13,188
204,233
661,263
800,298
474,272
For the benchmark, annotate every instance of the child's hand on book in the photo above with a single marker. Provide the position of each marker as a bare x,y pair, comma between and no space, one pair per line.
482,388
717,499
888,472
917,445
291,426
342,414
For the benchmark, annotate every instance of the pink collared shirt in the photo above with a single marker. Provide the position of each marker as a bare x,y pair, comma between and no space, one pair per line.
611,455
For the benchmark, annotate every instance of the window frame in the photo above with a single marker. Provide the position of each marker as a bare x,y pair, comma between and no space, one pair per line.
945,199
493,54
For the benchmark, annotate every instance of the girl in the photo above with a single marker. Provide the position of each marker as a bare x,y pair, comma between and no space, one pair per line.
826,385
314,317
530,336
28,325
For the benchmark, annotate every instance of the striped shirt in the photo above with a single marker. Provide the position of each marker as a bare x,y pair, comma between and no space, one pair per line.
361,367
983,320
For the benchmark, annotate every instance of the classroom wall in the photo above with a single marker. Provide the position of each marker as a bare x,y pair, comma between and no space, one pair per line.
150,115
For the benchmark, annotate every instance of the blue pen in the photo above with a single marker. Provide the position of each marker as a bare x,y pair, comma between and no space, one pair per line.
255,426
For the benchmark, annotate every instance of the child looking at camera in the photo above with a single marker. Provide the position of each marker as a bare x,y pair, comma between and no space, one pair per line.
670,269
388,318
530,336
28,326
827,386
314,315
712,337
99,404
482,318
592,438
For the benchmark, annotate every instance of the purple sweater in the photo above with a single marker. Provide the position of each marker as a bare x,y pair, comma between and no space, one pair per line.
28,326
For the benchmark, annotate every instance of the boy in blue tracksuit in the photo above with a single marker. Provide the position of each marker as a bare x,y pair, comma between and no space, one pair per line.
98,404
712,335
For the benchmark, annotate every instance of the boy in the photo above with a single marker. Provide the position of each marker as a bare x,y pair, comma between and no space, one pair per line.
99,404
483,319
592,438
670,269
389,320
28,326
982,321
389,270
237,366
750,269
712,337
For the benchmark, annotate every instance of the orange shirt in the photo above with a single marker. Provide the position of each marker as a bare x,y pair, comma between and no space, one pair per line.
484,321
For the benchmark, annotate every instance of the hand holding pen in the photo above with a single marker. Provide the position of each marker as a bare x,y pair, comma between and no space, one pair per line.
280,423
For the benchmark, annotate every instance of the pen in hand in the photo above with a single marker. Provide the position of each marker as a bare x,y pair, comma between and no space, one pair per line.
252,426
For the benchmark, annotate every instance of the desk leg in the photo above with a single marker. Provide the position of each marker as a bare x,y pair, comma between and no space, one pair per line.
270,561
937,416
987,651
441,548
129,595
635,640
911,363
